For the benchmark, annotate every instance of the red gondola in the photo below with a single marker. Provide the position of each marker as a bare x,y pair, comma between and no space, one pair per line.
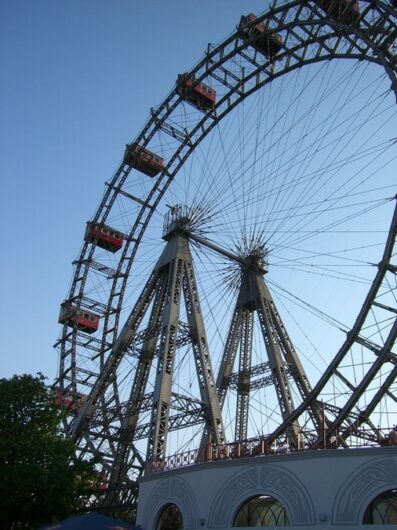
200,95
346,11
143,160
83,319
103,484
261,39
65,400
104,236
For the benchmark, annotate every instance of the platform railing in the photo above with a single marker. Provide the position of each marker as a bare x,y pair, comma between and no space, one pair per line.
253,447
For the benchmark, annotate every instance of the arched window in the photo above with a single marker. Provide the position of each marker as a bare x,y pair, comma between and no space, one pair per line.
383,509
170,518
261,511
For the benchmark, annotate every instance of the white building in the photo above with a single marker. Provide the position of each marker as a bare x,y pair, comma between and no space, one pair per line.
334,488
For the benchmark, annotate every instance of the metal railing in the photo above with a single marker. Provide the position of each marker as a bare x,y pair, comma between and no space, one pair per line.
259,447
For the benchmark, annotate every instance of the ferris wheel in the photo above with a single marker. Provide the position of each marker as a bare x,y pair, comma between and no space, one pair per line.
237,283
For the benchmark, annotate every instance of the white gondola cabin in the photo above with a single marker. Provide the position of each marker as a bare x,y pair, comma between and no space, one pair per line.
259,36
143,160
104,236
200,95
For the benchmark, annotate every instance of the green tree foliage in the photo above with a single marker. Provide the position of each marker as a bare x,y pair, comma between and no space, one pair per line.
39,481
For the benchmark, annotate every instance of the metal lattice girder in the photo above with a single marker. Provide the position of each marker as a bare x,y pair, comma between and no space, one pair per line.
254,296
100,268
364,415
259,369
354,417
126,410
162,393
232,342
273,347
172,275
184,338
208,388
114,358
135,402
227,363
243,384
175,422
295,368
181,278
338,423
349,414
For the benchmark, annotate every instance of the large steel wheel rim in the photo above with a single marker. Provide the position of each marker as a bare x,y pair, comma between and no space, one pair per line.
175,131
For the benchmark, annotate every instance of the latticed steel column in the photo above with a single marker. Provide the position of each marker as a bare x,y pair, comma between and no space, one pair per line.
162,390
254,297
177,259
208,390
274,355
243,386
130,420
229,354
227,363
295,366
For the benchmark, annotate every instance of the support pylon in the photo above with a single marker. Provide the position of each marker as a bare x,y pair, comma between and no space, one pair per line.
254,298
177,262
171,283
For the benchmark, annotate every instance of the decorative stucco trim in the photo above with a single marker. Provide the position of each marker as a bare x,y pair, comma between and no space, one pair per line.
262,480
173,490
361,487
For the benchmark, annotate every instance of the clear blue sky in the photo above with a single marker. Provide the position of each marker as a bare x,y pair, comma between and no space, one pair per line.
77,80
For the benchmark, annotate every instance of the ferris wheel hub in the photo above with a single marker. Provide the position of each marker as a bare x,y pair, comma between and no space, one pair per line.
255,256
